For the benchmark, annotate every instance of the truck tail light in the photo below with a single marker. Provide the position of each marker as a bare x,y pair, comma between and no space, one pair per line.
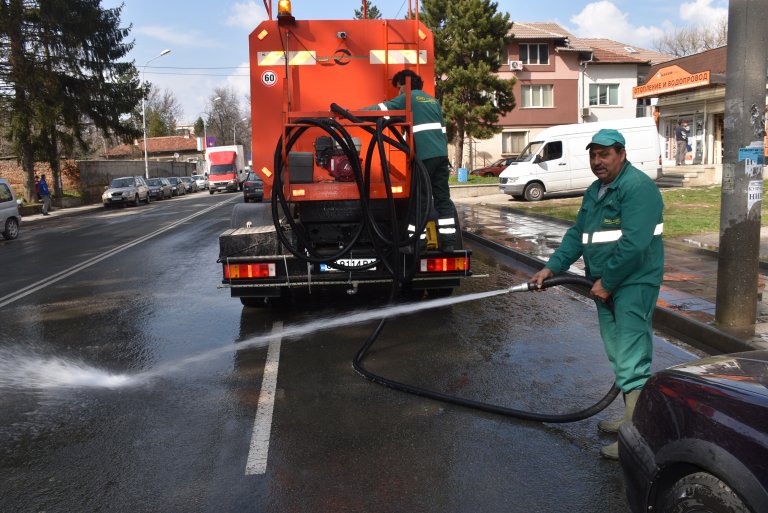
243,271
443,265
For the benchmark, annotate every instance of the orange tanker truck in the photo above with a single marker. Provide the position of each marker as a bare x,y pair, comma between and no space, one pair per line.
341,185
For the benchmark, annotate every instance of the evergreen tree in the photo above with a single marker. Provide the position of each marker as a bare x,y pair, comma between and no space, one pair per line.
60,70
469,38
372,12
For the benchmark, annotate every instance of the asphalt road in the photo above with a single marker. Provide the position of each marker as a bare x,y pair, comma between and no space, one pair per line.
130,382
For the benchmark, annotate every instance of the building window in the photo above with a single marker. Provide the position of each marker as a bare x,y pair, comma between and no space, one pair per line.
603,94
535,96
512,142
534,53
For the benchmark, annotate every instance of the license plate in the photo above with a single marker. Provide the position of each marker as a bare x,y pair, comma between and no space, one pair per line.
349,262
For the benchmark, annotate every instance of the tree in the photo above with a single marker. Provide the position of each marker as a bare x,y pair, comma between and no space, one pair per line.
162,111
469,38
371,10
60,71
224,115
689,40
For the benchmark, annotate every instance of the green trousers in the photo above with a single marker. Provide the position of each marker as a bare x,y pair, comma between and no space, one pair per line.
627,334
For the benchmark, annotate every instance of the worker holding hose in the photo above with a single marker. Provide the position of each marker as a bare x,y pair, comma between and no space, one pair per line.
618,232
431,146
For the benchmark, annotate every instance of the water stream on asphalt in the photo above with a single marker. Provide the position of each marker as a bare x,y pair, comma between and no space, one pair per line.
22,370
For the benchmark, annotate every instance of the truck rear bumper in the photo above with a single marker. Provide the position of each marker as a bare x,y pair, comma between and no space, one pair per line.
432,272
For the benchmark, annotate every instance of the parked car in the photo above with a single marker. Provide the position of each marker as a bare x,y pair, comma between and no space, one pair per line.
698,440
159,188
494,169
253,188
202,182
125,190
10,218
189,183
177,186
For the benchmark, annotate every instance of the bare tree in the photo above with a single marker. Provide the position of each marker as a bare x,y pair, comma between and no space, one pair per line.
224,115
689,40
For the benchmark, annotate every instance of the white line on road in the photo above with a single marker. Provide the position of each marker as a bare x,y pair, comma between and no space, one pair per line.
262,426
50,280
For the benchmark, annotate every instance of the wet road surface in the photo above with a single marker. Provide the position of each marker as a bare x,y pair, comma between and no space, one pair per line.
262,423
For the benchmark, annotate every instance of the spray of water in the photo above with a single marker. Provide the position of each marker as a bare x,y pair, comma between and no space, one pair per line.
19,370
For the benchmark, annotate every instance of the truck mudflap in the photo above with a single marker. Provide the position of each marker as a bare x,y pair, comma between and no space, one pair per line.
254,276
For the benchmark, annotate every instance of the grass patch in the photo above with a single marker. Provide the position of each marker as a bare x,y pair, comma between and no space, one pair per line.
473,180
687,211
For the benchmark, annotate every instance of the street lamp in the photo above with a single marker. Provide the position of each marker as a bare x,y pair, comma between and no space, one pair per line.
234,130
143,110
221,124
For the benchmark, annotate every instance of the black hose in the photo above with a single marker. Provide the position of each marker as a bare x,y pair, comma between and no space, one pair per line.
607,399
419,180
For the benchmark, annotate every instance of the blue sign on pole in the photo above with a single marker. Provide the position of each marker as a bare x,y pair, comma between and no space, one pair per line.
211,141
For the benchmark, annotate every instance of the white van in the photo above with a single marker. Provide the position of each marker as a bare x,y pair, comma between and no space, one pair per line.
558,161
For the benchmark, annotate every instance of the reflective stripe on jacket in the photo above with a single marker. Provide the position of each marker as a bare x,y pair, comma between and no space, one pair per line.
429,137
619,235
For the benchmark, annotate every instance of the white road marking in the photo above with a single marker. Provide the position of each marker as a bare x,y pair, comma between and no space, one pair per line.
262,425
50,280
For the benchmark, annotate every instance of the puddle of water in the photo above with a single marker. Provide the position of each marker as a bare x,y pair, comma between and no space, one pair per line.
23,370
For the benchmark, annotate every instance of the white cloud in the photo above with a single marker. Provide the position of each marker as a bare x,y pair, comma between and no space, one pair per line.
186,38
247,15
603,19
702,13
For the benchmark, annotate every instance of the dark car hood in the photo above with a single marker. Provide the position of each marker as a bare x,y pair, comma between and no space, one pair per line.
745,371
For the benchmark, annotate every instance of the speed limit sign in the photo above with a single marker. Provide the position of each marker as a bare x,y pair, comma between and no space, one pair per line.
269,78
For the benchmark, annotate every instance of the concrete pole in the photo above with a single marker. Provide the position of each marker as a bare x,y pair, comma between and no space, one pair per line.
741,201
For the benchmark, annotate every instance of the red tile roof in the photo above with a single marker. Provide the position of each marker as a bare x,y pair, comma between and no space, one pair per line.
539,30
155,145
609,51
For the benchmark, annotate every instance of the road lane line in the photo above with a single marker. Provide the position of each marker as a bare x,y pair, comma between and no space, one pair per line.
50,280
262,425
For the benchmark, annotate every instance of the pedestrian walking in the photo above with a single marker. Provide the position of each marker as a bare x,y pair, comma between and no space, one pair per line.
431,146
45,195
618,232
681,142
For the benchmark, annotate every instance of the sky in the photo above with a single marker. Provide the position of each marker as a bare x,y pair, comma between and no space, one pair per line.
209,39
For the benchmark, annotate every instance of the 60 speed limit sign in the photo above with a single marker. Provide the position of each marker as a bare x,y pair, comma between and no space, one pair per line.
269,78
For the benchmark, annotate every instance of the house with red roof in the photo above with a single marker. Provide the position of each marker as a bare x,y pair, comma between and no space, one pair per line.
562,79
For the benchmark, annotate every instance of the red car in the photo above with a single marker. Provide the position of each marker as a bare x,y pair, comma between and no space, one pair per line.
698,440
494,169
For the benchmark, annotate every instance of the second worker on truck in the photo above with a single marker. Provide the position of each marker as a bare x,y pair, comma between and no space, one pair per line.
431,146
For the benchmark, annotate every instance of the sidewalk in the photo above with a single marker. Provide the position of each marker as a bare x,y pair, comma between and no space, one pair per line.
686,305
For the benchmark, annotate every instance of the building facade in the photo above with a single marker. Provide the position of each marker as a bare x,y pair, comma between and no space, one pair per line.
562,79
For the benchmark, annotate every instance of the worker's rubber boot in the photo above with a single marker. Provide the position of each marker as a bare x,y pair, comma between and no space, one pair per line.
611,451
612,426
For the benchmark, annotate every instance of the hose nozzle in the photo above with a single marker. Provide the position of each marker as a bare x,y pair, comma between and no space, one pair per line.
523,287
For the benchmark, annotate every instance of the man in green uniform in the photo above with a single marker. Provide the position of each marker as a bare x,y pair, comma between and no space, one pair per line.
431,145
618,232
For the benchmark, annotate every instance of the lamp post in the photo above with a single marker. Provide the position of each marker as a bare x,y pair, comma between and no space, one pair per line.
144,113
234,130
221,124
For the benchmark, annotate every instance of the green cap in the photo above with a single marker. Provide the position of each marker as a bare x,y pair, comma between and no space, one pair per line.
607,137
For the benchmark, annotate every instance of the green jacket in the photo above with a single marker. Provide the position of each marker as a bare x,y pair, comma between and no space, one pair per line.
428,125
619,235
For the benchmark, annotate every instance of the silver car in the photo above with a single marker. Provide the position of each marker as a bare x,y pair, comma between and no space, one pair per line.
126,190
202,182
10,219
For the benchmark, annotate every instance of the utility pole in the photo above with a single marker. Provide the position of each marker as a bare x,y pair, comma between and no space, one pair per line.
741,200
